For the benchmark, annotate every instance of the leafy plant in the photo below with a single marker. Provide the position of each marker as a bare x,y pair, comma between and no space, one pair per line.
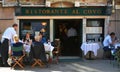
117,55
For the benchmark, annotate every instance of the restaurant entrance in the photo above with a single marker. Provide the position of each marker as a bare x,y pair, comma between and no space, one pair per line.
70,41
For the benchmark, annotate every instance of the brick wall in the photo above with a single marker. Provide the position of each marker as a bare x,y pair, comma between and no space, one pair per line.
6,18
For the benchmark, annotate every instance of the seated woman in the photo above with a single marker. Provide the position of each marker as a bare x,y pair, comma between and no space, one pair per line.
27,46
27,43
16,52
16,43
37,50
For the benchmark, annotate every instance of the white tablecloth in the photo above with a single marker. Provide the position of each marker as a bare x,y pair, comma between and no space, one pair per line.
90,47
116,45
49,48
27,48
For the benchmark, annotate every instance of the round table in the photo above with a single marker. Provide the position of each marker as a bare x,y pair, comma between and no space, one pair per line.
86,47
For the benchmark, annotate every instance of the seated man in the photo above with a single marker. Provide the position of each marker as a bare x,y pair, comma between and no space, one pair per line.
108,44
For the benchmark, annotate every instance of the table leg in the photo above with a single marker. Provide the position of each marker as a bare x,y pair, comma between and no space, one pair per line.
90,53
90,57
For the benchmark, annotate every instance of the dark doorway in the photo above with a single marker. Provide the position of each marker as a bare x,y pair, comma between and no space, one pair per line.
70,41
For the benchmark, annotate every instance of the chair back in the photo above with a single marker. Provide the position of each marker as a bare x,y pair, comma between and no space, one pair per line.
37,50
17,49
56,45
56,50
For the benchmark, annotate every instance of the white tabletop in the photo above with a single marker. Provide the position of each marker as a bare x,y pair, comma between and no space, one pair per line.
116,45
48,47
27,48
90,47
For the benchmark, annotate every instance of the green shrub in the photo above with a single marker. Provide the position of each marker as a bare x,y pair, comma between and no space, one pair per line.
117,55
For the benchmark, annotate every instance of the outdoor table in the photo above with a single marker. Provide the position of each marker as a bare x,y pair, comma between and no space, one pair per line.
117,45
49,49
88,47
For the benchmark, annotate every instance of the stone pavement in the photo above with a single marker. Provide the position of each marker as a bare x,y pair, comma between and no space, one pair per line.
79,66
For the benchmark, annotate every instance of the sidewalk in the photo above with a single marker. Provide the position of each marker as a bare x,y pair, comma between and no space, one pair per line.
79,66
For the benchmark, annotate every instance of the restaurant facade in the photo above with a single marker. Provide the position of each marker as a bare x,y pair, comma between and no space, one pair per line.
92,19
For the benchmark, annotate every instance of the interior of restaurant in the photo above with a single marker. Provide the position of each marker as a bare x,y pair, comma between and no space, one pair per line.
68,47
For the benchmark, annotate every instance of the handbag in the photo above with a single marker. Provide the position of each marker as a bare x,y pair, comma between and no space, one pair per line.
9,61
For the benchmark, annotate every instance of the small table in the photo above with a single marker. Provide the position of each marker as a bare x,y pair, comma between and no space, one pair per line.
86,47
48,49
117,45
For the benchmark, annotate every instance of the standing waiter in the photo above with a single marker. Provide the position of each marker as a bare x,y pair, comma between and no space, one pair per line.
7,38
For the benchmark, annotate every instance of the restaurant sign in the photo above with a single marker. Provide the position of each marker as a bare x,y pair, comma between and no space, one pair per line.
45,11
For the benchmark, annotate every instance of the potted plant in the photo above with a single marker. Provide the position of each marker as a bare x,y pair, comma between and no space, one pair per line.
117,55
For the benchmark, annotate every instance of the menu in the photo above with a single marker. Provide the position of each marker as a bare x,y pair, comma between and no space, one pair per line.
93,29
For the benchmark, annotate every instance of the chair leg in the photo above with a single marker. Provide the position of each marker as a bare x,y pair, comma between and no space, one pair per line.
40,63
50,60
34,64
57,58
37,61
17,62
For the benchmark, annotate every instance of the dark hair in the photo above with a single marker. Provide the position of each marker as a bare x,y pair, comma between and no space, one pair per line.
112,33
27,32
40,33
14,25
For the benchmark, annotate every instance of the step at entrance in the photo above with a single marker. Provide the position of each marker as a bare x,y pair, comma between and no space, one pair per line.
69,59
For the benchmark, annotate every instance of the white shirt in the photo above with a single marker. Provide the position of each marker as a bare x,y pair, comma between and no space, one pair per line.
107,40
71,32
9,33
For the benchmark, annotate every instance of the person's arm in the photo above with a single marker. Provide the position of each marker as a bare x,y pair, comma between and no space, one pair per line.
110,40
10,51
13,32
115,40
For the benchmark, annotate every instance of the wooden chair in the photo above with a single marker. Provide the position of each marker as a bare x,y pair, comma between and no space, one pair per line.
56,50
17,54
37,52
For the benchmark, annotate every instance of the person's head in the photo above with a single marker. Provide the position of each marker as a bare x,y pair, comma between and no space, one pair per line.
112,34
37,38
16,38
41,34
15,26
27,34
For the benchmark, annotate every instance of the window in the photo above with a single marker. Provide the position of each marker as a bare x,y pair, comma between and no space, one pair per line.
34,27
95,22
94,30
23,2
32,2
9,2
